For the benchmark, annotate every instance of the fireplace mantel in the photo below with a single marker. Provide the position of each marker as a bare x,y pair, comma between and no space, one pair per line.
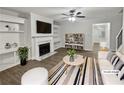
42,35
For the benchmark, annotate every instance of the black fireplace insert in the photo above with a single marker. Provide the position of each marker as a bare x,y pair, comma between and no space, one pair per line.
44,49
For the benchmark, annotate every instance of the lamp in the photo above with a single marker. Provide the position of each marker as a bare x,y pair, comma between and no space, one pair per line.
69,18
73,19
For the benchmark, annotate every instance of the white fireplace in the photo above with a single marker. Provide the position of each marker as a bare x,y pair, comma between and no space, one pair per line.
37,41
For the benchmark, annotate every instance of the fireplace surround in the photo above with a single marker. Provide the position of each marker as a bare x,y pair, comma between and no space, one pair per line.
38,44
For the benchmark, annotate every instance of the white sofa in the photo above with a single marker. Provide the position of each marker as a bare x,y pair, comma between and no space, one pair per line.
104,64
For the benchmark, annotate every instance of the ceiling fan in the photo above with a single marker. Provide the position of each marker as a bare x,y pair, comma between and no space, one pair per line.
72,15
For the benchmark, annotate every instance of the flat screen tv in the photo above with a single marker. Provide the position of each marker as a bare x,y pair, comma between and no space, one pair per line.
43,27
119,40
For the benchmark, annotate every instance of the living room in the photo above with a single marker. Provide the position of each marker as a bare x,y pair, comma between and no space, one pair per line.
50,35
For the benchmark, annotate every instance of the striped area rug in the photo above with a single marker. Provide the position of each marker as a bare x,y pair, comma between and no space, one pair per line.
85,74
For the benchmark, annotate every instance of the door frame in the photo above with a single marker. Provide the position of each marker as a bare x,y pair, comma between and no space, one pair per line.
108,34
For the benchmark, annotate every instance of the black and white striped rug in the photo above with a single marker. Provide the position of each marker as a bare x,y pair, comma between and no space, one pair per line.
71,75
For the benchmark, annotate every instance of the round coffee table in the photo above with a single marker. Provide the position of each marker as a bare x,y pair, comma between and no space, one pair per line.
78,60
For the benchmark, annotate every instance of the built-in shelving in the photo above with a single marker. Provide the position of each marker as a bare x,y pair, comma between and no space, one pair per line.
12,30
56,37
73,44
56,26
4,51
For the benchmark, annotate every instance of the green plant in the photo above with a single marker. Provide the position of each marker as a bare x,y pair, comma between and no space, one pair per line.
71,52
23,53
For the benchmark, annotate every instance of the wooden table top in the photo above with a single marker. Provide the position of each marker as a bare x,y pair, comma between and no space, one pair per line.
78,60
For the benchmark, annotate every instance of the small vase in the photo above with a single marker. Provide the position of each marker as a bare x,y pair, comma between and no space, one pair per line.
71,59
23,62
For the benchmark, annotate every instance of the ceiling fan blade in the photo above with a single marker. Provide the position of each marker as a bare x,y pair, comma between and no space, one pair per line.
65,14
78,13
80,16
64,17
72,11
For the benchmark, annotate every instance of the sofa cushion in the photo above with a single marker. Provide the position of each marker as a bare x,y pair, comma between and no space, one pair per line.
119,65
115,61
108,78
109,56
121,74
113,58
105,64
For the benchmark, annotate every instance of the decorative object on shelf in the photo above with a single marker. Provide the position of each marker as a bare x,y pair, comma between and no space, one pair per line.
14,45
12,27
15,27
23,55
7,46
7,26
71,53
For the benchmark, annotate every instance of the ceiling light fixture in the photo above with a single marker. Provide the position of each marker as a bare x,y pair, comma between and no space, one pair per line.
73,15
72,19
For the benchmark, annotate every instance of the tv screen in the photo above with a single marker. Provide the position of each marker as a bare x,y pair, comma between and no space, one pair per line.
119,39
43,27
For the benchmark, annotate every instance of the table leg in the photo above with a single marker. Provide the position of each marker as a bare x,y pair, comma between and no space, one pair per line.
80,69
66,66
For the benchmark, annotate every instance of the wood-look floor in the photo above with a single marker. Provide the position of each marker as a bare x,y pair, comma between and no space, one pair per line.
12,76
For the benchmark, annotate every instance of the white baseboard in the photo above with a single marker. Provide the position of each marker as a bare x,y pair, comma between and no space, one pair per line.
7,66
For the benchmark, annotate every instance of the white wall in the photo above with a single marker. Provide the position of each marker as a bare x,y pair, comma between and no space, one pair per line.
34,35
86,28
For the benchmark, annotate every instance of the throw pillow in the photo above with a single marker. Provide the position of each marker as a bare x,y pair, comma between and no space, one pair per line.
115,61
113,58
121,74
119,65
109,56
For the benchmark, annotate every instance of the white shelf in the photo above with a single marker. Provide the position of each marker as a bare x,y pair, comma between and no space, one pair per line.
56,37
55,32
57,41
56,27
11,31
42,35
74,44
4,51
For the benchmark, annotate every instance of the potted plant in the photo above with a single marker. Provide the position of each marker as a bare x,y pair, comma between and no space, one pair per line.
71,53
23,55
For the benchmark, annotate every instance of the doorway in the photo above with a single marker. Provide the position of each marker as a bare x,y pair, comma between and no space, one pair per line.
101,36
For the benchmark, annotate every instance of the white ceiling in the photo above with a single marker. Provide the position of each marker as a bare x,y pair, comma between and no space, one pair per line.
55,12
